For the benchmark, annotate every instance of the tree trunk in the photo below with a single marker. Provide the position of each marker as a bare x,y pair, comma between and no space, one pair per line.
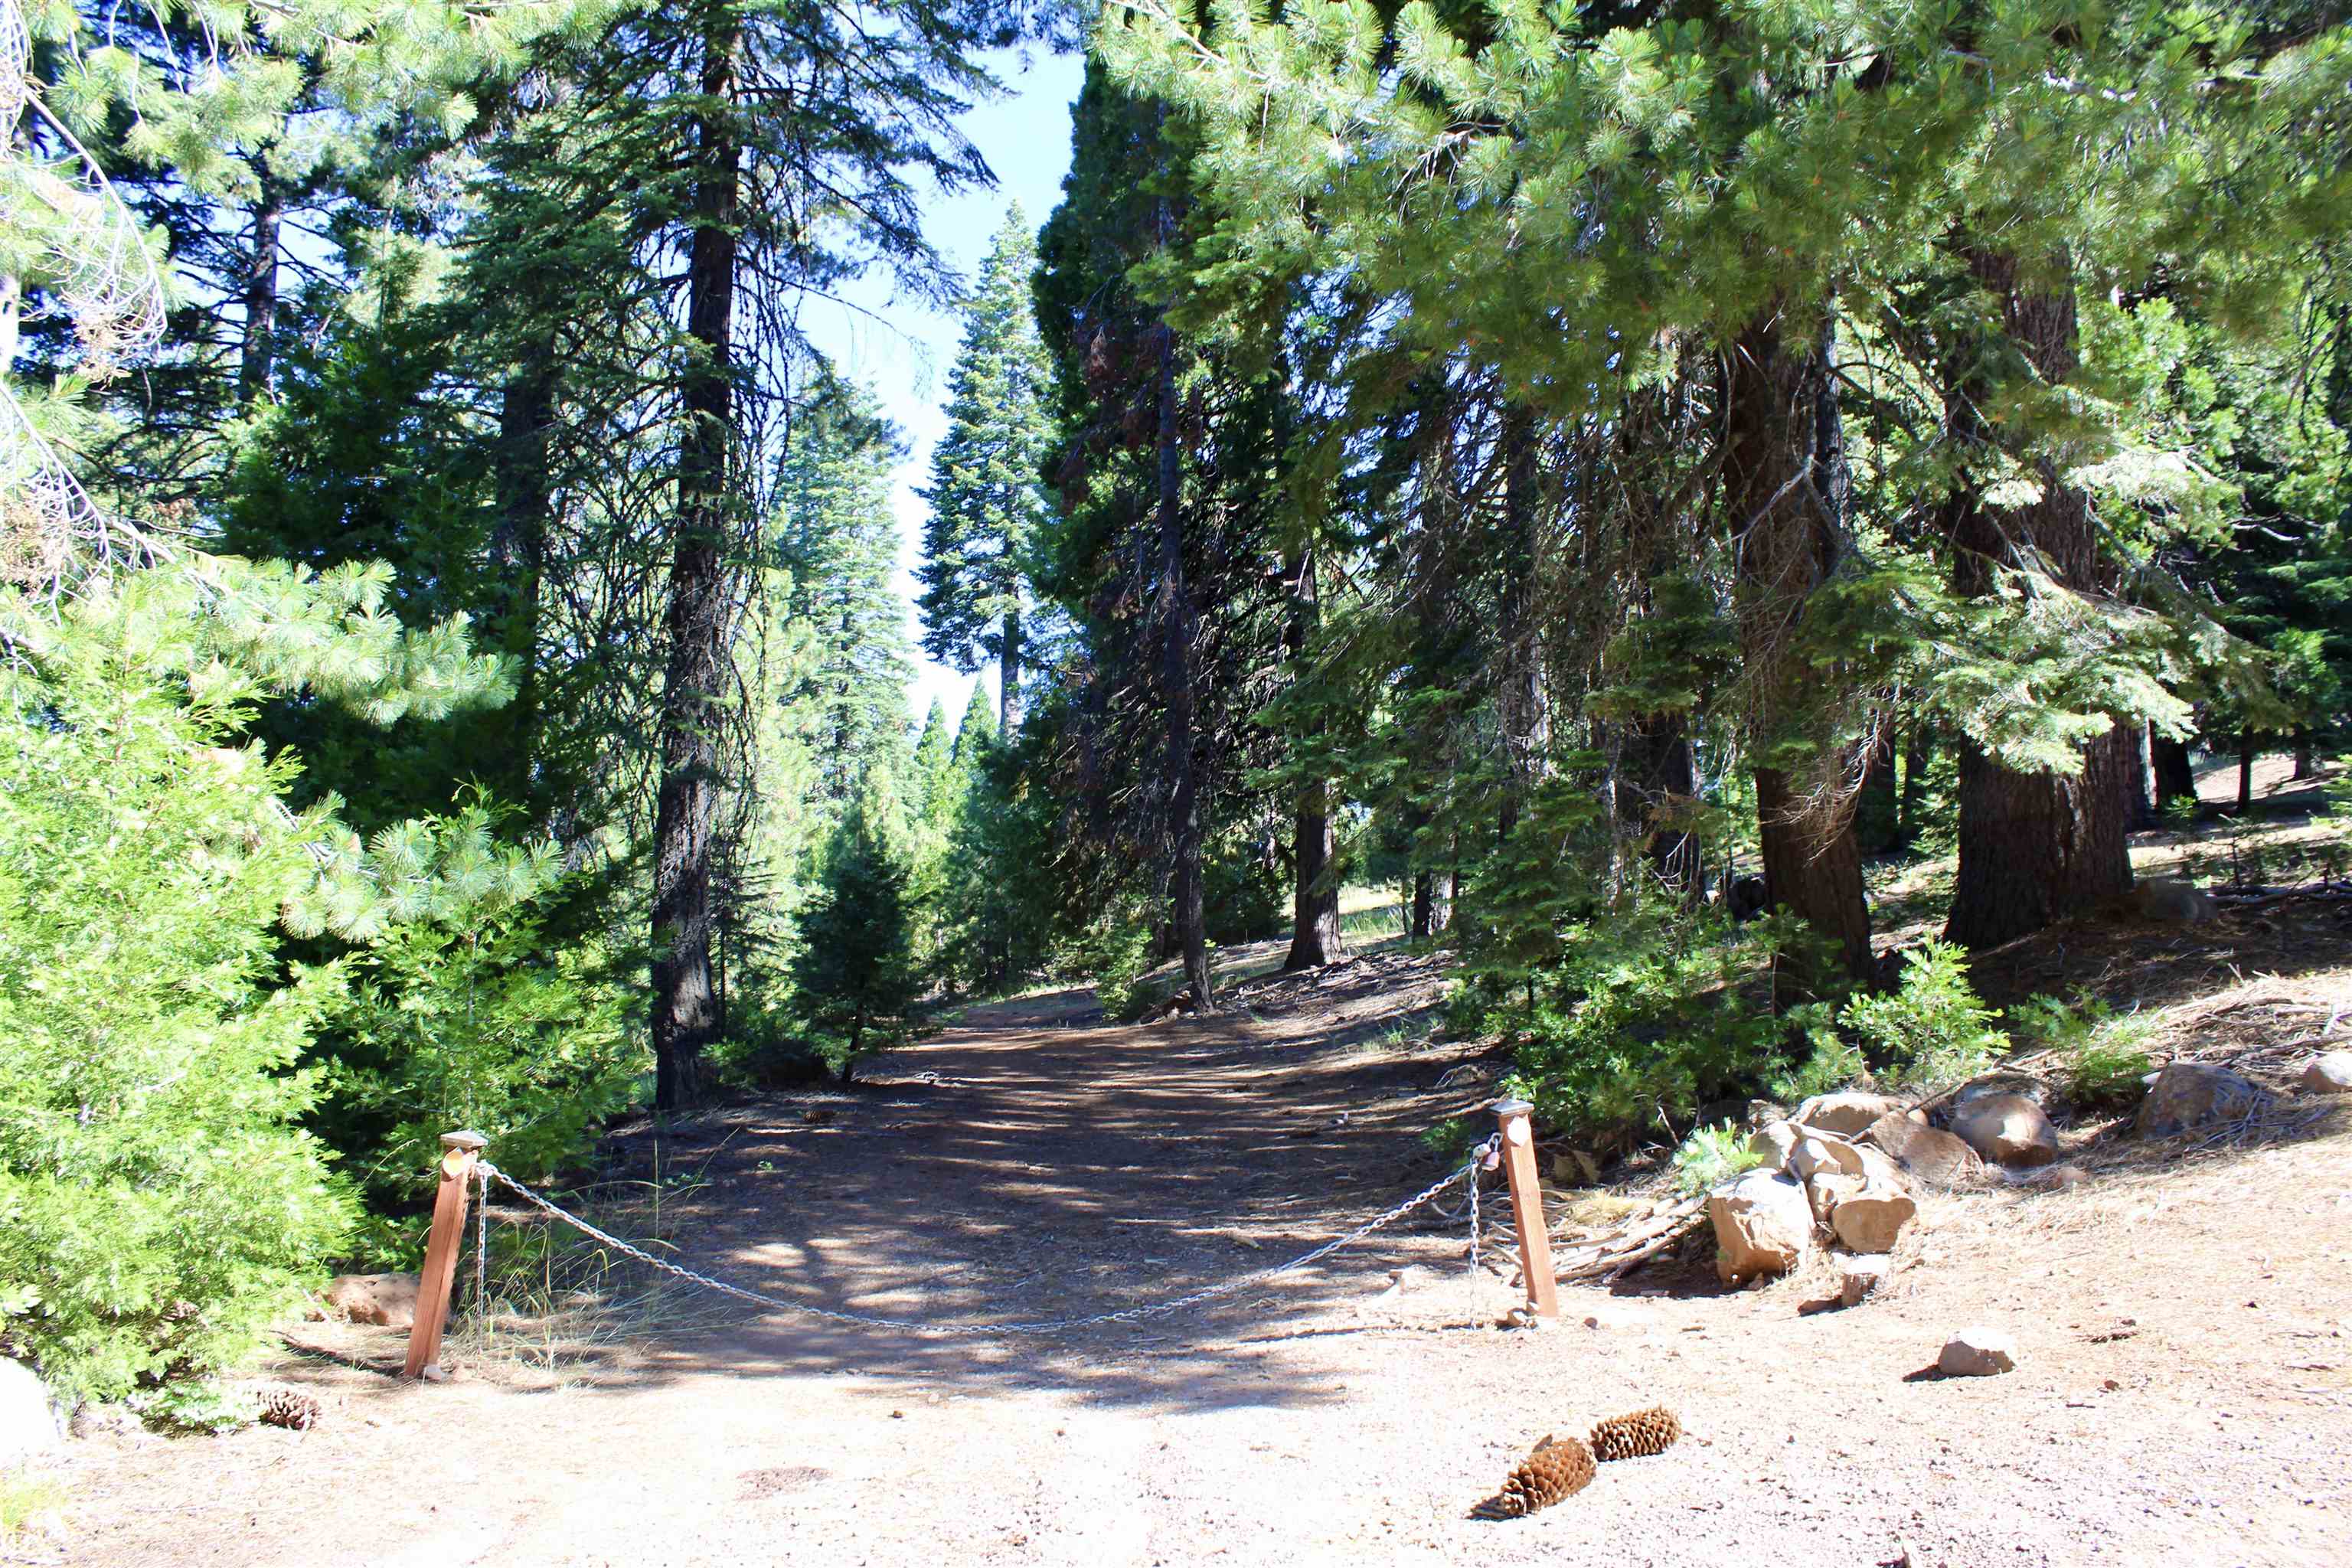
1424,898
2033,848
518,551
1653,774
1519,661
1176,615
2174,778
1782,470
258,356
2246,754
1008,674
2305,756
697,621
1918,747
1877,818
2139,811
1314,935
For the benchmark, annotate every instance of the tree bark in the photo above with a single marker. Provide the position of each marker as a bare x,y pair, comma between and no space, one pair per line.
2140,810
2246,754
1315,936
1653,773
2305,756
1783,483
2033,848
1176,615
1877,818
1519,660
1008,673
517,550
258,358
697,621
2176,779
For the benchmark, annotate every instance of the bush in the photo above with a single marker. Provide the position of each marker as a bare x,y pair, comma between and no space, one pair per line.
1650,1016
159,1203
1933,1028
1712,1155
1121,958
2103,1066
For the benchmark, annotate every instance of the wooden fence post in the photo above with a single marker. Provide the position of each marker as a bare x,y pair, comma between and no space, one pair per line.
441,1251
1513,1116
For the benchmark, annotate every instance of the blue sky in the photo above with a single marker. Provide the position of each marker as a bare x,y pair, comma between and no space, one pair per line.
905,350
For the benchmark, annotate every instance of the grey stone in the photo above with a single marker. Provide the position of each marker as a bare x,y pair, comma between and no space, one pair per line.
1763,1224
2328,1074
2170,899
1978,1353
1929,1155
1860,1280
1845,1114
28,1423
2189,1095
2007,1128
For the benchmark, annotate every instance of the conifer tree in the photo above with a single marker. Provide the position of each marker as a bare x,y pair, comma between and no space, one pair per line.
987,473
854,969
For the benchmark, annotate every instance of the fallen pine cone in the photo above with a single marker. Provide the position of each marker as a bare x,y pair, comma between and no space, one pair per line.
288,1408
1559,1468
1638,1435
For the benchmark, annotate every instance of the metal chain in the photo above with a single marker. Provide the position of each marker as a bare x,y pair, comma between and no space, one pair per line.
481,1251
1469,1171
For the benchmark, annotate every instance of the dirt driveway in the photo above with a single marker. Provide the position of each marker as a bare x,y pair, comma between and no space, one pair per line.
2184,1392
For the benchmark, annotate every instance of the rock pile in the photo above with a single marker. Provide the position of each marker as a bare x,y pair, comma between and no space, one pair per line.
1813,1181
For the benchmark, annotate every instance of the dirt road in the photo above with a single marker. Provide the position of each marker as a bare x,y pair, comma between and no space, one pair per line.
2184,1392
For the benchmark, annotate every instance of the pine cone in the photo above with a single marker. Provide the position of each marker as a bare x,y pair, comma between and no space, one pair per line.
1635,1437
288,1408
1559,1468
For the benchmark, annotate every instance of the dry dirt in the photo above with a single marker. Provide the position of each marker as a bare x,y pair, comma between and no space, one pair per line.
2183,1394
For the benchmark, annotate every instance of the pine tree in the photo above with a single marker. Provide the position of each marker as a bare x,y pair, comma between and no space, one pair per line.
855,970
987,471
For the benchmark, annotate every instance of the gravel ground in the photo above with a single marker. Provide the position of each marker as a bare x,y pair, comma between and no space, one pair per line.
2183,1392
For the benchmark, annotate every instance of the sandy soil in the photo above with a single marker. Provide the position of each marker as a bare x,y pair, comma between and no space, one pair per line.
2184,1392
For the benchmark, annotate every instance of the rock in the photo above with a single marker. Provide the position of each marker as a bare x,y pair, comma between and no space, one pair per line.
1847,1114
2187,1095
2007,1128
2173,899
1816,1155
1773,1142
1978,1353
387,1300
105,1421
1763,1224
2055,1178
1860,1280
1870,1220
2328,1074
1827,1189
1929,1155
28,1425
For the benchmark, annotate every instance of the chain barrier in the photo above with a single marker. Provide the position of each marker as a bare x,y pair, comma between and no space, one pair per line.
1468,1173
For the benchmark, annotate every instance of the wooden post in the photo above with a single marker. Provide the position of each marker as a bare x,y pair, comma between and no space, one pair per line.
1526,1205
441,1251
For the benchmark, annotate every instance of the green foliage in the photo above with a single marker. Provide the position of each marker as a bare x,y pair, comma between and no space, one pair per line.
1712,1155
1119,958
2104,1067
159,1201
855,972
1830,1064
1932,1028
1650,1014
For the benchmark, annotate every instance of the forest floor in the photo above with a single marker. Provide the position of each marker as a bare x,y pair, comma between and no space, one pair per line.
2184,1324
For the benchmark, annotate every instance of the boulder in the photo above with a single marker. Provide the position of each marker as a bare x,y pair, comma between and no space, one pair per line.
29,1424
2328,1074
1846,1115
1978,1353
387,1300
1929,1155
1818,1153
2187,1095
2173,899
1870,1220
1827,1189
1860,1280
1763,1224
1773,1143
2007,1128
